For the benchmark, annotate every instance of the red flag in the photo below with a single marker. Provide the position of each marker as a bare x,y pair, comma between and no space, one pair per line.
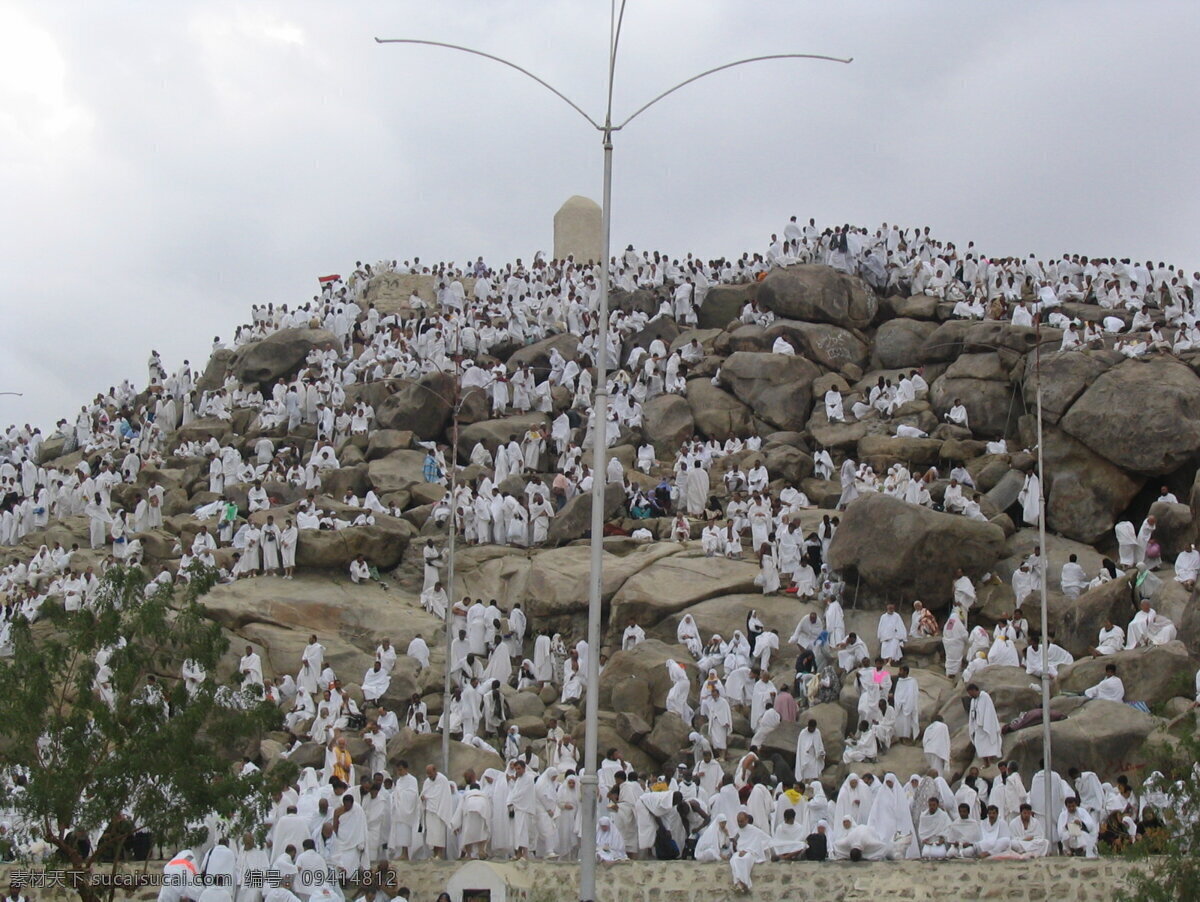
333,278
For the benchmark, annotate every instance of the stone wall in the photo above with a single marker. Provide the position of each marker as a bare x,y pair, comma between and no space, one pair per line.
1046,880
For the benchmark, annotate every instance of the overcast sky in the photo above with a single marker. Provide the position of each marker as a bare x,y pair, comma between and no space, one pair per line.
166,165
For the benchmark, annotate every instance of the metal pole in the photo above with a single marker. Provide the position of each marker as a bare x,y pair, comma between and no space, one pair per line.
589,781
447,689
1046,751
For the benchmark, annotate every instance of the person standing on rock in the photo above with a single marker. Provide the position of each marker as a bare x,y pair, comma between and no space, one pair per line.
720,722
1128,549
288,538
907,694
432,558
849,478
891,634
695,488
437,809
810,753
983,726
835,622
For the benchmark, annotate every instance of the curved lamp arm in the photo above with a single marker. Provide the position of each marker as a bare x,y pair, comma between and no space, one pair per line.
545,84
753,59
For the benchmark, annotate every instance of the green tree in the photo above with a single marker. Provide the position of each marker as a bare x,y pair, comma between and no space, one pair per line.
1170,866
125,747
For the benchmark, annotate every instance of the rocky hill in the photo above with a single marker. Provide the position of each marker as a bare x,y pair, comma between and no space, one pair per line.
1116,430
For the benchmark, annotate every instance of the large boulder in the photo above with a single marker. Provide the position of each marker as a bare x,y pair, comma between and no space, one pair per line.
1011,688
397,472
552,585
830,346
679,581
727,613
1064,378
981,365
663,328
382,544
1078,626
776,387
831,724
1151,675
818,294
1085,493
992,411
788,463
898,548
992,335
898,342
574,521
383,442
216,369
1108,738
279,616
945,343
493,433
280,354
423,406
1058,551
667,423
716,413
1143,415
644,664
921,306
537,355
1174,528
668,741
884,450
423,750
723,303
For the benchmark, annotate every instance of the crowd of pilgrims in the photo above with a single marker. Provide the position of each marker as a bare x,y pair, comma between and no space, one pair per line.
121,431
124,432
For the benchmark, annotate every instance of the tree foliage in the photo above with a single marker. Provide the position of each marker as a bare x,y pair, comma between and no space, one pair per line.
150,752
1170,869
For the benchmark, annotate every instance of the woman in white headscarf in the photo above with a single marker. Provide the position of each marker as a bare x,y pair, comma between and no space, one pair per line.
309,789
739,652
495,787
302,709
319,731
891,819
688,635
610,845
546,787
568,802
853,801
716,842
711,682
818,807
1091,794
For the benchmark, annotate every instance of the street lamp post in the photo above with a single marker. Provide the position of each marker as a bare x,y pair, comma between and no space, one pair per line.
448,625
1047,766
588,779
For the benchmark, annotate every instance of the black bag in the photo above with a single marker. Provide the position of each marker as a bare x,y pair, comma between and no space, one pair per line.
665,847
